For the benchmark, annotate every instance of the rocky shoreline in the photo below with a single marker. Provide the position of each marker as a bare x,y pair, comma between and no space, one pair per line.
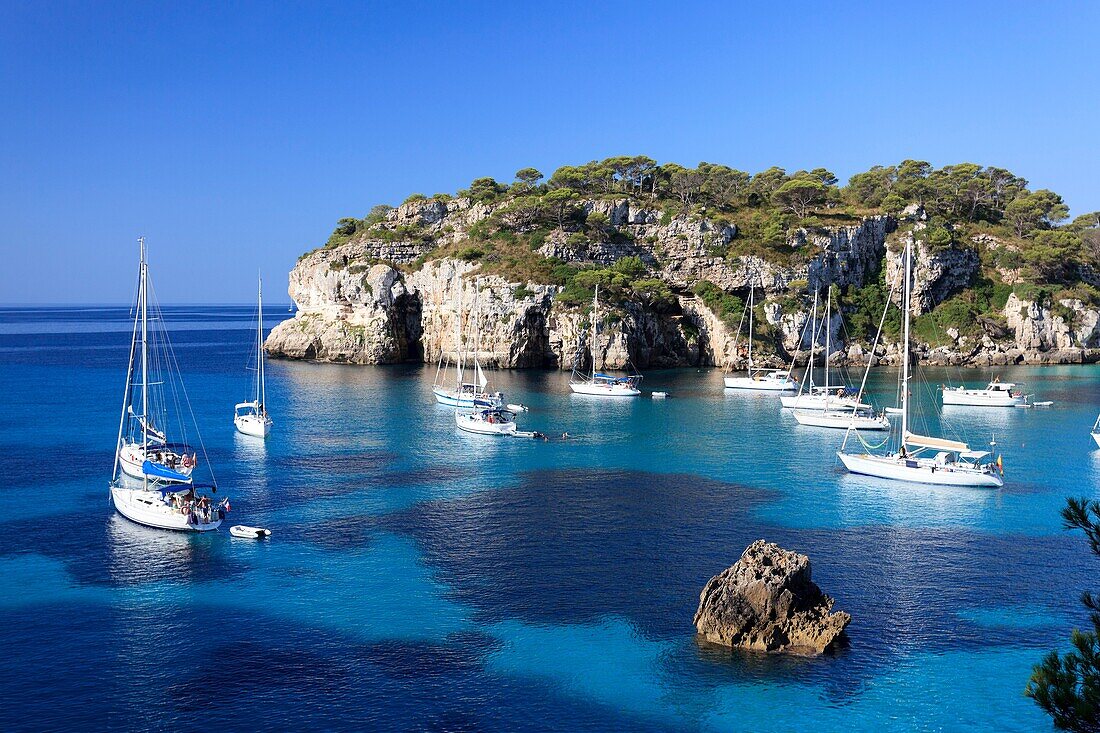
386,300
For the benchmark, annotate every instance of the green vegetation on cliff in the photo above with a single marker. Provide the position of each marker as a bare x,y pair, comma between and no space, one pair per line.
1020,236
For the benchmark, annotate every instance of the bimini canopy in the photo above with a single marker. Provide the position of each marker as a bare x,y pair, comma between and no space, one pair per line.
610,378
924,441
974,455
155,470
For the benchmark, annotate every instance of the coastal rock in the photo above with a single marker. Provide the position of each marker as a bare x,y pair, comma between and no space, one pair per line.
767,602
383,298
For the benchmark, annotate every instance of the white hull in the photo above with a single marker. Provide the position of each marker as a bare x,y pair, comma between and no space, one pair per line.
1096,437
453,399
981,398
472,424
840,420
763,385
922,471
821,402
149,508
253,425
131,458
604,390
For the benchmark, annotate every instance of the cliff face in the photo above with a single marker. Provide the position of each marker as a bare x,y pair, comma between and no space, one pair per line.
377,301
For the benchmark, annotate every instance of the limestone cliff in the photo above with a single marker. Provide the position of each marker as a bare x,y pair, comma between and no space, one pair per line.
404,291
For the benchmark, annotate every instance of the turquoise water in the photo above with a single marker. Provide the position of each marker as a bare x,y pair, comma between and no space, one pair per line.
421,578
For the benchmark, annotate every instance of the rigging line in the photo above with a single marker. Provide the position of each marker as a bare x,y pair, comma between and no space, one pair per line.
171,354
871,356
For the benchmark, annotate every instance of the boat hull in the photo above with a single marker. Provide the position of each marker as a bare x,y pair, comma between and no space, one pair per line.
761,385
840,421
1096,437
923,472
253,425
481,427
131,458
148,508
604,390
981,398
451,399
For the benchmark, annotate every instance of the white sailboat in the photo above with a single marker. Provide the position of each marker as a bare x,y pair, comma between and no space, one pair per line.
151,482
765,379
486,421
251,418
597,383
1096,431
461,393
996,394
849,414
920,458
812,396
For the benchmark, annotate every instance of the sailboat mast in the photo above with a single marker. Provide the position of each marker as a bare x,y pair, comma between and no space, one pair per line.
905,350
595,310
828,337
813,337
460,349
752,304
261,390
477,327
144,295
127,396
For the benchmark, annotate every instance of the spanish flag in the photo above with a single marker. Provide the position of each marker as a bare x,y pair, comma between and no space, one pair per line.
1001,465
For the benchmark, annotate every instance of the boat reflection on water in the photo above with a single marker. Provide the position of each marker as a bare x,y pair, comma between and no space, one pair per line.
912,504
138,554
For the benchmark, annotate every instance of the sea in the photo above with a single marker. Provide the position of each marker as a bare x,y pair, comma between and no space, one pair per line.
423,579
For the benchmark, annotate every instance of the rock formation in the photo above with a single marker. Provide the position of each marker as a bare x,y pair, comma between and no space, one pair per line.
767,602
385,299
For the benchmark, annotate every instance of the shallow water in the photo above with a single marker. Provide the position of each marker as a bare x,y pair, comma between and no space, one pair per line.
420,578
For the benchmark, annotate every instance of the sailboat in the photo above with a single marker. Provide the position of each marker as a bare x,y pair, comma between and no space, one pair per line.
760,378
151,482
486,421
851,414
598,383
920,458
461,393
812,396
251,418
1096,431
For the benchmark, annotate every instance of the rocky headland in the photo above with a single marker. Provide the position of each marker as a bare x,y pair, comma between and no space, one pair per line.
399,285
767,602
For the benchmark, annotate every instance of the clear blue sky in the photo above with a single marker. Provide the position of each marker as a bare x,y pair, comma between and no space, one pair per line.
233,135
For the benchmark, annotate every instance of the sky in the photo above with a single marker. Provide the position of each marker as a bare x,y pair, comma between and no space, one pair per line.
233,135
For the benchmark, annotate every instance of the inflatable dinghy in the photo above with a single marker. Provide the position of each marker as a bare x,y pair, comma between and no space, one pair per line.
249,533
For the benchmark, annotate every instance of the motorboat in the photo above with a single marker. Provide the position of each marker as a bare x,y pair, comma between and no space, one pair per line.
996,394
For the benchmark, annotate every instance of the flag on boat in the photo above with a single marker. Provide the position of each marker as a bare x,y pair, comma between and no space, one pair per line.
1001,465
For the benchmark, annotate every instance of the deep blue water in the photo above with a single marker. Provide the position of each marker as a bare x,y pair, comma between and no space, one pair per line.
423,579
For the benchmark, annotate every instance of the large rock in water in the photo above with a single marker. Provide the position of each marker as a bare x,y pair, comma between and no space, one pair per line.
767,602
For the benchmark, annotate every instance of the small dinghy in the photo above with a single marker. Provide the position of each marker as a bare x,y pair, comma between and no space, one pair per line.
659,395
517,408
1045,403
249,533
